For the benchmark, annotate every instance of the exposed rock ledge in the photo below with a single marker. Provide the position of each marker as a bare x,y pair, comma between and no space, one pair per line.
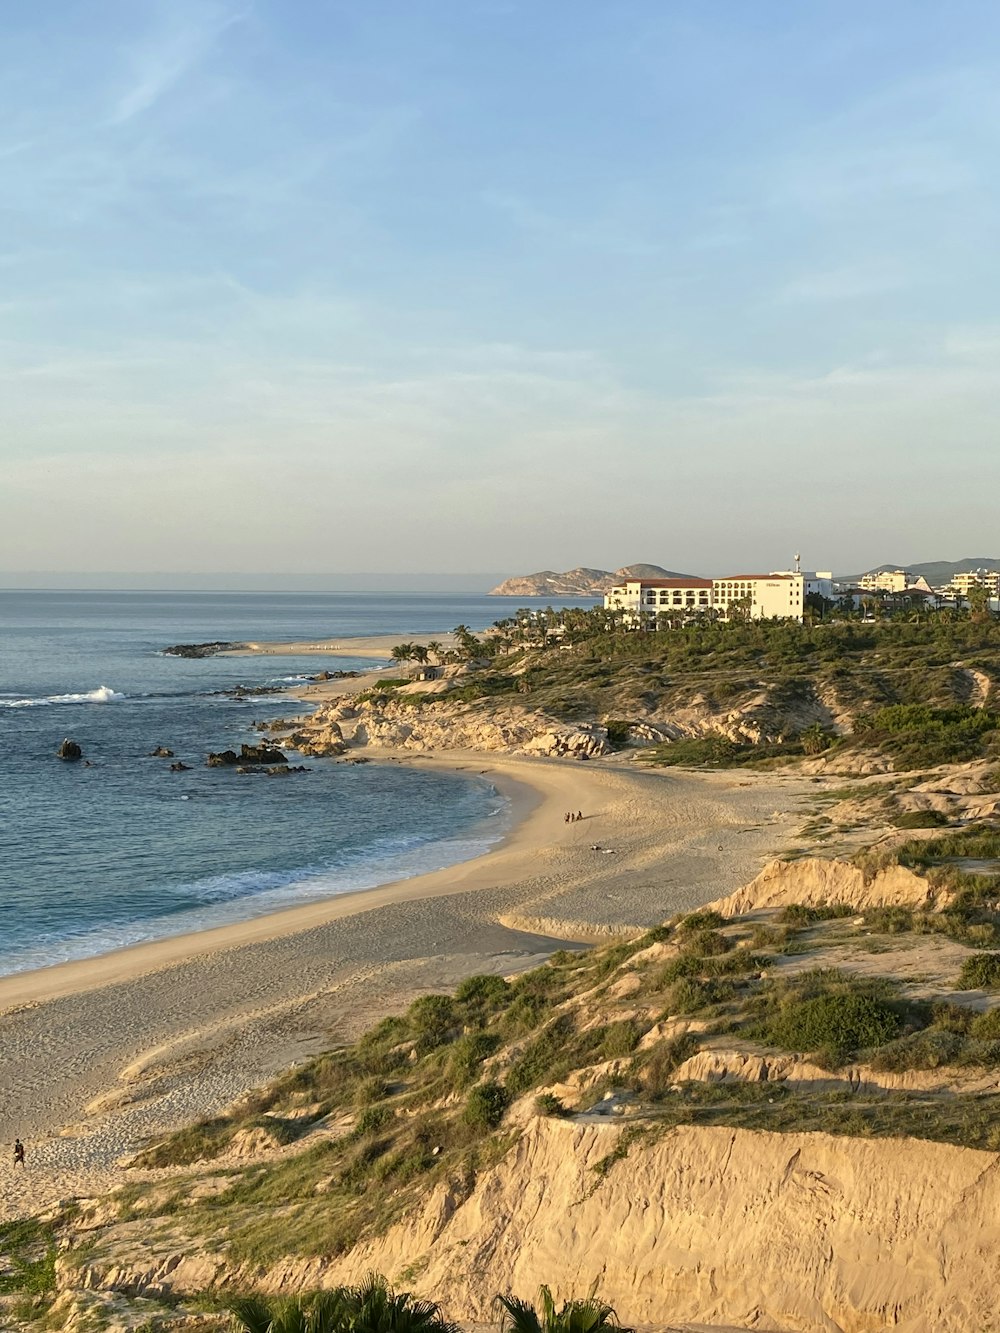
703,1224
332,729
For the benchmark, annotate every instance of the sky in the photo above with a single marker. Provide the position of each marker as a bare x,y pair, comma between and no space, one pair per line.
305,288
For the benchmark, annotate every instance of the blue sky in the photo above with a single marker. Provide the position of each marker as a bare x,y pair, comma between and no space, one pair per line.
469,285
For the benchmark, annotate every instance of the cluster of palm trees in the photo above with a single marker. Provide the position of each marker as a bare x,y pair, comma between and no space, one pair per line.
467,648
373,1307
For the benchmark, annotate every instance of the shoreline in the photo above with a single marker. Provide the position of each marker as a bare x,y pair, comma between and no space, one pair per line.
375,645
103,1053
75,976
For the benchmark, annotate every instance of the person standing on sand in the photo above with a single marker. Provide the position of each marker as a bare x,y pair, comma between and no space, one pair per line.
18,1153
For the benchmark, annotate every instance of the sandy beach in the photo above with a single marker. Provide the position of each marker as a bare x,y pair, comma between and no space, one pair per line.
99,1054
378,646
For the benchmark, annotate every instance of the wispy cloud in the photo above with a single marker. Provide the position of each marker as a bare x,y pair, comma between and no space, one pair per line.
164,59
850,282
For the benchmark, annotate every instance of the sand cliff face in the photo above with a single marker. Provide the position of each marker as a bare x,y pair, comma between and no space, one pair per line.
799,1232
710,1225
814,881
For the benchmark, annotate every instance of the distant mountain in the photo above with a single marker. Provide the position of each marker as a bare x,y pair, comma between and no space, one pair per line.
581,582
936,572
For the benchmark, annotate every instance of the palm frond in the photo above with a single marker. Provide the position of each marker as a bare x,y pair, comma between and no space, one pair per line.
516,1316
252,1314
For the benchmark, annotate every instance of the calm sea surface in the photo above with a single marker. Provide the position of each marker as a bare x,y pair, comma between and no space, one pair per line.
93,858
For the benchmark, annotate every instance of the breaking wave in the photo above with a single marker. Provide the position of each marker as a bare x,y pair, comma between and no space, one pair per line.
104,694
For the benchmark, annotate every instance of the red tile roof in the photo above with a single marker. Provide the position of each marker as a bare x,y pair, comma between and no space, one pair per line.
669,583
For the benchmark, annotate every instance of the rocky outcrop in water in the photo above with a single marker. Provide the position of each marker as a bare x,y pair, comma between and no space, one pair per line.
200,649
260,755
161,752
69,750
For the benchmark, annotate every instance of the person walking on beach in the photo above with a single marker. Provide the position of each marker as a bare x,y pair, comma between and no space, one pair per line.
18,1153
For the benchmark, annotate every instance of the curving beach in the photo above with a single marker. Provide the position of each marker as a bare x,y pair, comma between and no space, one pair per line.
99,1054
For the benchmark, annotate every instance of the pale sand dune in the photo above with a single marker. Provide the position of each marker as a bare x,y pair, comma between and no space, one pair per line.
99,1054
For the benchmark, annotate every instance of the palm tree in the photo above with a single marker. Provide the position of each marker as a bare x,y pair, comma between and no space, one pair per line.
435,647
372,1307
468,644
580,1316
403,652
420,653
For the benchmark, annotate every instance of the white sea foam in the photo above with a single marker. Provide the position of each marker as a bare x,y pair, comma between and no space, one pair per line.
104,694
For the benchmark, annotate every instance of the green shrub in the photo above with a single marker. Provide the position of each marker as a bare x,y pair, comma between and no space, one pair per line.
918,735
929,1049
948,1017
547,1104
621,1039
798,914
706,920
766,937
484,991
713,751
434,1021
827,1013
707,943
657,935
889,920
370,1090
814,740
468,1053
664,1059
986,1027
919,819
690,995
28,1253
486,1105
544,1054
839,1023
980,972
618,731
372,1119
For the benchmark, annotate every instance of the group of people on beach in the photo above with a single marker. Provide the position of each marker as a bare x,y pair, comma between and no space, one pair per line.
571,818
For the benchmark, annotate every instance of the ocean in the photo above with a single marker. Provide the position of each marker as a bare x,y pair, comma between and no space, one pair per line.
97,857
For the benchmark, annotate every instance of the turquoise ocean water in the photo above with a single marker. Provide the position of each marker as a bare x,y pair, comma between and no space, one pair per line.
94,858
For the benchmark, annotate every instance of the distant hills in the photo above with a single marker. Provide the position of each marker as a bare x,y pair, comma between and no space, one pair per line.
936,572
580,582
584,582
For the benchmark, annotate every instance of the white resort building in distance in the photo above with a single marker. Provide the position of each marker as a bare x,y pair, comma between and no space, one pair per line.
779,595
654,595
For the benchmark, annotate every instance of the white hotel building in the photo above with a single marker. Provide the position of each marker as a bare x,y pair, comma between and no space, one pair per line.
780,595
650,596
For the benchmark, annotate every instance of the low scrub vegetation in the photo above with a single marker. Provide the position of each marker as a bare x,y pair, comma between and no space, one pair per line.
423,1098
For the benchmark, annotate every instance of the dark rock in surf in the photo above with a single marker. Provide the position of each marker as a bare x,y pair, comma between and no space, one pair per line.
200,649
224,759
69,750
180,768
261,754
161,752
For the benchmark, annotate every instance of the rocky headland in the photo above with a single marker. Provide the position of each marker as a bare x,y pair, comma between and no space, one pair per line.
580,582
